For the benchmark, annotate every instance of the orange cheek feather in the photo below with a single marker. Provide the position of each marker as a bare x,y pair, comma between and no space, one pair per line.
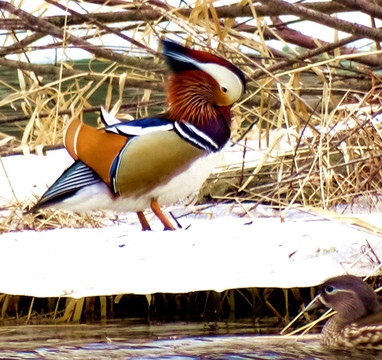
220,98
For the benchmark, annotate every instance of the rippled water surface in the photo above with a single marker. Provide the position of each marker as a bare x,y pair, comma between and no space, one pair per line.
170,341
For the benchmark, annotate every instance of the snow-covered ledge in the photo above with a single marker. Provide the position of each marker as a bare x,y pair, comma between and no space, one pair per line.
224,252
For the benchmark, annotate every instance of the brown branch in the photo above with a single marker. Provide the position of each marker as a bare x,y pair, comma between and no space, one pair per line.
44,26
88,19
342,25
24,45
91,109
297,38
20,45
364,6
147,14
304,56
11,24
293,36
53,70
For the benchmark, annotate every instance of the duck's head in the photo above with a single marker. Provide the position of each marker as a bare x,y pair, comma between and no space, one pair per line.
350,297
200,84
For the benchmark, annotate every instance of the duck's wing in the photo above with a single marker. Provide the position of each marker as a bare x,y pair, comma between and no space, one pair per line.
76,177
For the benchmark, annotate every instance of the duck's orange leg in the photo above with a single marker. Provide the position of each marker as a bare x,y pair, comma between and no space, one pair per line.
143,221
158,212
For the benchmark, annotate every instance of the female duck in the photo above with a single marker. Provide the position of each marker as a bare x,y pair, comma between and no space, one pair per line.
358,319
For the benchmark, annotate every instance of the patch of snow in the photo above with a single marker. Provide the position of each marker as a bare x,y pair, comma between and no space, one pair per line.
25,175
224,247
218,254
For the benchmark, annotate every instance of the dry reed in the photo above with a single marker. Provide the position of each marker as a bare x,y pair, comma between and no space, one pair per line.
309,114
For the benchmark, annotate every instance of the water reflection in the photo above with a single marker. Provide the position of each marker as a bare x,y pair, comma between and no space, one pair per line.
170,341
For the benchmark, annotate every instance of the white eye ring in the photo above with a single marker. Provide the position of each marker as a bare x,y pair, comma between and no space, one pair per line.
330,289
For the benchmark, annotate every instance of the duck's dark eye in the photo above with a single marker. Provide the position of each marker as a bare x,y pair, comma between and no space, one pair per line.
329,289
224,89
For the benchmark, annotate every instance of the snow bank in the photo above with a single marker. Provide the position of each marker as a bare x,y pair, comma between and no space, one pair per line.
224,252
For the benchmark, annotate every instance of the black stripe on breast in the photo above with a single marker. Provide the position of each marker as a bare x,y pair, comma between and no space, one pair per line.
195,136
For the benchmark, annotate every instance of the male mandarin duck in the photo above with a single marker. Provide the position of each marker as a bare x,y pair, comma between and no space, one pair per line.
135,165
357,322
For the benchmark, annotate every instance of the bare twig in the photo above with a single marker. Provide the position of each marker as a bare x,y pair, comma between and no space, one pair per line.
365,6
308,14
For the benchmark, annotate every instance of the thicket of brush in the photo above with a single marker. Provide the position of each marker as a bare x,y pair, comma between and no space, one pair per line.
272,308
318,97
309,107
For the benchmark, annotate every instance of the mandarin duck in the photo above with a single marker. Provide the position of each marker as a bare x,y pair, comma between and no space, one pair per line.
357,322
150,162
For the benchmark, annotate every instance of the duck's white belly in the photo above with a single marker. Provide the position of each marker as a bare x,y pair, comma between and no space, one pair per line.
99,196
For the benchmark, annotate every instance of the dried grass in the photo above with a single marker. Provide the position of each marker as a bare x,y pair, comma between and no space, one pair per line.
13,218
320,145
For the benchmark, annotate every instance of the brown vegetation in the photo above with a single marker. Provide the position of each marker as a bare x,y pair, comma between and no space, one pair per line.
320,97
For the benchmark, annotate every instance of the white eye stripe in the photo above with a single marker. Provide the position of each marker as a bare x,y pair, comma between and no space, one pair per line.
226,78
337,290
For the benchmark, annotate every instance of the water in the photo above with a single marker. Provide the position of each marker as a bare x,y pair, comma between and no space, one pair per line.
170,341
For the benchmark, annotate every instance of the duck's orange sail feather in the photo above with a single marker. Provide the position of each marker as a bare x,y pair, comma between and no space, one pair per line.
96,148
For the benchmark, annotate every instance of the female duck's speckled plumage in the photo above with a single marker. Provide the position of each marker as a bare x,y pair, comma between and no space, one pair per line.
358,319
